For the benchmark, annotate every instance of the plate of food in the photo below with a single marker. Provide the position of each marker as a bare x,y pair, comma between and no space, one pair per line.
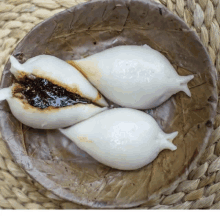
109,103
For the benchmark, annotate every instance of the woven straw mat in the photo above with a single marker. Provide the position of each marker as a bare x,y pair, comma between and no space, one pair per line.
201,190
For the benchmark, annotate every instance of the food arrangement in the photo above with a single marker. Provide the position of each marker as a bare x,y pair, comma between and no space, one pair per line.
50,94
69,172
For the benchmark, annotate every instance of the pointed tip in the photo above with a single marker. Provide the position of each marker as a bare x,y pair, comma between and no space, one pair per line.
189,78
173,147
165,144
183,84
167,141
185,79
187,91
5,93
15,65
101,102
171,136
13,60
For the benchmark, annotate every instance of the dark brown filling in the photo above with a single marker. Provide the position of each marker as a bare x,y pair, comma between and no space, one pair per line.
42,93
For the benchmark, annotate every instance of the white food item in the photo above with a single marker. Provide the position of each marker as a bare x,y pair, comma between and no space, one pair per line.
48,118
133,76
61,73
121,138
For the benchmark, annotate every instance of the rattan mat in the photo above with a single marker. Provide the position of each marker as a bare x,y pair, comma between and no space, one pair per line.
201,189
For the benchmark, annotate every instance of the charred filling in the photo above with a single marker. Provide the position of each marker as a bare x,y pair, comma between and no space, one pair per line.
42,93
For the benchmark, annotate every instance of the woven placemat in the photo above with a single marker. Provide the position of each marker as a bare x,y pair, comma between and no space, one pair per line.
200,190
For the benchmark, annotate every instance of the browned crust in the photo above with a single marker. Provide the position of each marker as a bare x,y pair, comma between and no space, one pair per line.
75,65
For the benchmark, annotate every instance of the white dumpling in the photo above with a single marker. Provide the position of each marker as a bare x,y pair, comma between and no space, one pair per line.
49,118
121,138
133,76
59,73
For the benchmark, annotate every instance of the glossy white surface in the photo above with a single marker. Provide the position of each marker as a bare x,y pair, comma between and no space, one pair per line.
133,76
121,138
